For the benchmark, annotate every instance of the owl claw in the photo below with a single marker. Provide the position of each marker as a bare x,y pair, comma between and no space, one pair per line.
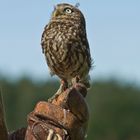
61,89
52,98
75,80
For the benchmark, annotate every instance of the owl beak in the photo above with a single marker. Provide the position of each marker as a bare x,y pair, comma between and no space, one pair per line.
56,13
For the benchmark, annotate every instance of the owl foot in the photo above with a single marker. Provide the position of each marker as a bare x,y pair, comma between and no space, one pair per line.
62,88
75,80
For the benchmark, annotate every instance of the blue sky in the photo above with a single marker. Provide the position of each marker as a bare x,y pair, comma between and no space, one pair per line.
113,28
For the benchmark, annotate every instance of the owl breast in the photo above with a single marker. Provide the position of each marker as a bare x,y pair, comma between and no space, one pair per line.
66,50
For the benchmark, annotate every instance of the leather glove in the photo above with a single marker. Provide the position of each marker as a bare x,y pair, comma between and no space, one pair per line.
65,118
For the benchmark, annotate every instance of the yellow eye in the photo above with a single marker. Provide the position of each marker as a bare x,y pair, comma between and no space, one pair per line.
68,10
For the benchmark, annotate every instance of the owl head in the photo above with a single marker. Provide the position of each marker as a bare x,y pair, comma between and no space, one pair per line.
67,11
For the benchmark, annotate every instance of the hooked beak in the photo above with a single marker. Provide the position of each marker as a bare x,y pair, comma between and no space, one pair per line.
56,12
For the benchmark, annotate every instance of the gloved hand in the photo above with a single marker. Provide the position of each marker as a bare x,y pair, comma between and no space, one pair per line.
66,118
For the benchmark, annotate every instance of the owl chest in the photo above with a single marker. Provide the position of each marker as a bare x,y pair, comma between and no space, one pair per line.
65,61
64,56
59,44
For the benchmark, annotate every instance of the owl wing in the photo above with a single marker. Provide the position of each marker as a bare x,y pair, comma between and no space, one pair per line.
86,48
43,45
43,37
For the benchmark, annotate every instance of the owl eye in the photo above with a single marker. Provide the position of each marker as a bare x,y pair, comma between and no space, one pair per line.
68,10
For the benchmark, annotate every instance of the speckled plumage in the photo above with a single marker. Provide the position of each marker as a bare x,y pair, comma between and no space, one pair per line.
65,45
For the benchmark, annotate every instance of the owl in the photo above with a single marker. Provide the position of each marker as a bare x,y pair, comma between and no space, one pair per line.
65,46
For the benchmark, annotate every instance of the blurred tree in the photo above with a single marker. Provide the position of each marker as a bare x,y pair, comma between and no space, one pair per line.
114,108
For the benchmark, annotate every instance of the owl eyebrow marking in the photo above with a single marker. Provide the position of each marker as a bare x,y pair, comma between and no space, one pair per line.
77,4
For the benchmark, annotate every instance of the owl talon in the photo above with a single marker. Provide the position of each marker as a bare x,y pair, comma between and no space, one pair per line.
61,89
52,98
55,96
75,80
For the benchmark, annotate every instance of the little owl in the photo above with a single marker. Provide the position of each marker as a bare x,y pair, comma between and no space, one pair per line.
65,46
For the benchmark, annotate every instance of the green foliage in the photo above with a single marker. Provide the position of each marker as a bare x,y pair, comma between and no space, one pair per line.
114,108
